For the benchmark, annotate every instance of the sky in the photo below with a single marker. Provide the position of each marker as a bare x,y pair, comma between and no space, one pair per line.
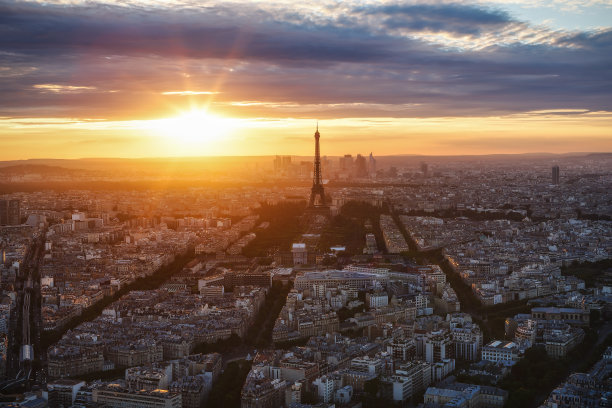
142,78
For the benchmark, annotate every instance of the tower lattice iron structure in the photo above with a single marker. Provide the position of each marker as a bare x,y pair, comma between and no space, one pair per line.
317,180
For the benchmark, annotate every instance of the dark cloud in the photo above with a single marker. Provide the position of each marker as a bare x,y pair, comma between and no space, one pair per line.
600,41
453,18
210,33
250,53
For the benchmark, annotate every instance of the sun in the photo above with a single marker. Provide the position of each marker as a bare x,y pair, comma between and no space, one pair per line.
195,128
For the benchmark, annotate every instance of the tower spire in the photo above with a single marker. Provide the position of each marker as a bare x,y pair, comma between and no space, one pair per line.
317,180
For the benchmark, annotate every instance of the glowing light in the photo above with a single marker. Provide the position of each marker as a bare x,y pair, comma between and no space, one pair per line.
196,128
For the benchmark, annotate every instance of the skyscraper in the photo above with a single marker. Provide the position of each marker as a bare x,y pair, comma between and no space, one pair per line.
346,162
10,212
424,168
361,167
286,162
555,175
372,166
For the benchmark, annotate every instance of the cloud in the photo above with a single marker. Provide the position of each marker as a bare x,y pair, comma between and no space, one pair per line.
189,93
211,32
600,40
558,112
11,72
55,88
327,59
453,18
566,5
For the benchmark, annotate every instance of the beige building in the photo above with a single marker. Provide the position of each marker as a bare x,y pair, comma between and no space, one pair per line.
578,317
193,389
135,355
71,361
149,379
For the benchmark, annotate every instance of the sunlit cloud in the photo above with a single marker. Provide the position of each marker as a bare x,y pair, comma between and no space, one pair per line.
187,93
59,123
558,111
55,88
11,72
304,107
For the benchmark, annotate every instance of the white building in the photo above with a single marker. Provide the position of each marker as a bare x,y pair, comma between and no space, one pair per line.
344,395
334,278
300,254
467,341
370,365
115,396
78,216
46,281
375,300
211,281
421,301
443,368
409,379
438,346
498,350
337,301
325,388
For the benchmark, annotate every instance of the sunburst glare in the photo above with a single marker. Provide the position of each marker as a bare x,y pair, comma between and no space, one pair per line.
195,128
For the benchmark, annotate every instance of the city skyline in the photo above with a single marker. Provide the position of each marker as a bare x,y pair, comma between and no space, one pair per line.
183,79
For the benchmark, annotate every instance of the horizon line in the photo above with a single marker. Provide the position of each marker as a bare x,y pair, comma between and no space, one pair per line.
299,155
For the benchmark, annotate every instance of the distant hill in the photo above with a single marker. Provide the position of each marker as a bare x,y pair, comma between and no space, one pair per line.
42,169
213,167
599,155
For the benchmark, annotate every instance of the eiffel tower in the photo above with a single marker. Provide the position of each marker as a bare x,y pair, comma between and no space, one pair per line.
317,183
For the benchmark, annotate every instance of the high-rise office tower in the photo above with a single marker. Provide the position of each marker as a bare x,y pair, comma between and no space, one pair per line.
372,165
346,162
9,212
361,167
424,168
286,162
555,175
277,163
